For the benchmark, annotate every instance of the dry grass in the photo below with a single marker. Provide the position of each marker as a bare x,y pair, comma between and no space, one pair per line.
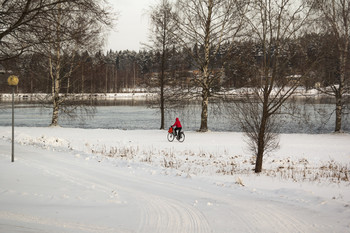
191,163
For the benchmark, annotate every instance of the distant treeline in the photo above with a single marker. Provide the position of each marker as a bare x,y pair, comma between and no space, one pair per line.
123,71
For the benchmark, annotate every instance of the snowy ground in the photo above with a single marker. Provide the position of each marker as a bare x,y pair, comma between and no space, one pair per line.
97,180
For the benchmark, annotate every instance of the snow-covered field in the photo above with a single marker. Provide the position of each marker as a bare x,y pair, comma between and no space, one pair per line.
99,180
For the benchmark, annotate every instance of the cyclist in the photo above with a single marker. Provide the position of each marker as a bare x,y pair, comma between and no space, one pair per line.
178,126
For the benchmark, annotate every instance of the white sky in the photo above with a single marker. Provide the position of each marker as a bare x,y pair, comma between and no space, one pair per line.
132,26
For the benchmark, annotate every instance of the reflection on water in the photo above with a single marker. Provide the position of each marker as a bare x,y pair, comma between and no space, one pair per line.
135,114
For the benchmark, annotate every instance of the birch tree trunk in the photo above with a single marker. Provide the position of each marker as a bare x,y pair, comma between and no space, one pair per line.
162,19
70,26
207,24
55,93
339,92
162,82
204,113
55,69
336,16
205,68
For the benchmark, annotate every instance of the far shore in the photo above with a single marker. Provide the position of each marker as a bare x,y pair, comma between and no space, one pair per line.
137,95
77,96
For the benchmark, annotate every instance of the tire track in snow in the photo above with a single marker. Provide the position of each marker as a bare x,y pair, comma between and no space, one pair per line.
284,221
160,214
265,214
266,218
54,224
169,215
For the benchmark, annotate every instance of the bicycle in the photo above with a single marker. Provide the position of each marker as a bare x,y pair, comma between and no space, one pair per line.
172,135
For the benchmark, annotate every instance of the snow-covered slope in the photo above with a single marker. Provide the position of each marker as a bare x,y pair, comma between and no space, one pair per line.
81,180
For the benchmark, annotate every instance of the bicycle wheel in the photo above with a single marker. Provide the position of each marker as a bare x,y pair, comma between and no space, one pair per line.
170,137
182,137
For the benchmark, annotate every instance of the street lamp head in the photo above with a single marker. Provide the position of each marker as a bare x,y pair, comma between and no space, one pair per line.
13,80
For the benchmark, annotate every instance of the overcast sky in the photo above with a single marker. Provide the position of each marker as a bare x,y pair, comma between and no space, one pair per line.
132,26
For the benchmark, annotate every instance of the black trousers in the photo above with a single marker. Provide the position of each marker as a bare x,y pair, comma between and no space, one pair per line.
178,130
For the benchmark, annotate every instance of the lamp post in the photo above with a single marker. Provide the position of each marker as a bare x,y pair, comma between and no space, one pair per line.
13,82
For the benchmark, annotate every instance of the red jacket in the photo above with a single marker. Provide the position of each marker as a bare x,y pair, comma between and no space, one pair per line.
177,123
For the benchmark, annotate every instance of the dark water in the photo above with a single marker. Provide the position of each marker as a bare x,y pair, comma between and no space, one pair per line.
129,115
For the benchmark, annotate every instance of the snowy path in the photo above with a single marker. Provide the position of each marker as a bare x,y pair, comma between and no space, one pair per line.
62,191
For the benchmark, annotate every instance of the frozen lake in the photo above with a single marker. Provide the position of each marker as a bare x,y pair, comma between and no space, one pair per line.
129,115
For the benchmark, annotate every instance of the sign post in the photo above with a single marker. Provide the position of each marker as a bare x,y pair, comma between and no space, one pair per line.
13,82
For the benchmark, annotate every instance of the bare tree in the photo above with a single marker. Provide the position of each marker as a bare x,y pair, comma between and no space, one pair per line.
273,23
207,25
162,39
336,16
64,31
17,20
